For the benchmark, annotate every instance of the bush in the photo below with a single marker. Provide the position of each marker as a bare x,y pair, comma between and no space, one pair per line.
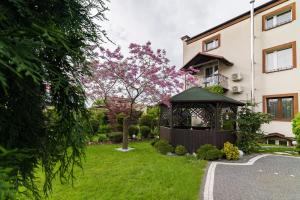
180,150
213,154
147,120
94,138
296,128
145,131
104,129
115,137
215,89
249,123
154,141
208,152
133,130
102,138
154,132
96,118
163,147
228,125
231,152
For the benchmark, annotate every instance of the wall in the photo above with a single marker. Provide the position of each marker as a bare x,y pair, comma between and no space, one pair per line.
235,47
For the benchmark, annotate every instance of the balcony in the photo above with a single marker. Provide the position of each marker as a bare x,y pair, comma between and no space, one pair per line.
215,79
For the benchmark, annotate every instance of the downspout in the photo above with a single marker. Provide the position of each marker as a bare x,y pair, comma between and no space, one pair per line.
252,51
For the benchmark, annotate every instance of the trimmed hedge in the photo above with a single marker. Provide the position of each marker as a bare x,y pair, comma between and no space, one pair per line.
163,147
213,154
102,138
209,152
115,137
180,150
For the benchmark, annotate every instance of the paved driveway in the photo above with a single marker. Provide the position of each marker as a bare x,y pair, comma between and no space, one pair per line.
267,178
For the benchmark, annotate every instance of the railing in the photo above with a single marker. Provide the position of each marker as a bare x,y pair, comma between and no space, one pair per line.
216,79
193,139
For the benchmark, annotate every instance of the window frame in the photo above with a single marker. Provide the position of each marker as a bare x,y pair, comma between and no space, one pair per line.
278,48
215,37
280,96
291,7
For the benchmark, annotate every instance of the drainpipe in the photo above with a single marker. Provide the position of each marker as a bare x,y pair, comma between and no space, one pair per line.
252,51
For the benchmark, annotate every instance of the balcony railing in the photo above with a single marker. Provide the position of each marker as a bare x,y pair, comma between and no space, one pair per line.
216,79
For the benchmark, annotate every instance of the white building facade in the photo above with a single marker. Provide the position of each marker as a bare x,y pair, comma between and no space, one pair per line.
222,55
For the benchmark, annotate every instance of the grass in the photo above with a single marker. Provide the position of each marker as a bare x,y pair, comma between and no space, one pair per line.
265,148
139,174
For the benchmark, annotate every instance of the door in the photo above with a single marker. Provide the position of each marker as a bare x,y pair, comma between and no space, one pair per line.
211,75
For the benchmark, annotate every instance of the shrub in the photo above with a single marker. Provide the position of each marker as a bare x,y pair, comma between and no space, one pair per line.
145,131
94,138
208,152
231,152
296,127
147,120
104,129
133,130
115,137
154,141
180,150
213,154
96,118
154,132
215,89
163,147
249,123
102,138
297,149
228,125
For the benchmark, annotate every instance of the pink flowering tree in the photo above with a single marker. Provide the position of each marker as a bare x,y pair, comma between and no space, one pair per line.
144,77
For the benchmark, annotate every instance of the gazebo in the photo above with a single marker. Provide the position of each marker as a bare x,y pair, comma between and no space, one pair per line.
196,117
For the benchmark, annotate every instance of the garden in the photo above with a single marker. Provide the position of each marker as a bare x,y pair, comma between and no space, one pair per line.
140,174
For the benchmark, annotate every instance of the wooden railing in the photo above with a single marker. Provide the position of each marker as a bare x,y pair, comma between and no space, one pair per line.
193,139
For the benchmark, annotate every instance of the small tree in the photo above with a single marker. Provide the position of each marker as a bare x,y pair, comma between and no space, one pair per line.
249,123
144,77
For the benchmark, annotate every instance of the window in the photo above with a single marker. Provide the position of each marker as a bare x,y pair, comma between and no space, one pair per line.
211,43
281,107
279,58
279,17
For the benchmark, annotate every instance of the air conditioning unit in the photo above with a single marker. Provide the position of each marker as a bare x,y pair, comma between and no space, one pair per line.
237,89
236,77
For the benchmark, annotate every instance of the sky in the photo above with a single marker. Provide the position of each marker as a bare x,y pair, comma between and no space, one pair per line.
164,22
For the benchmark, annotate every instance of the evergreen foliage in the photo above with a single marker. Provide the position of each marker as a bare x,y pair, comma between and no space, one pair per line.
44,49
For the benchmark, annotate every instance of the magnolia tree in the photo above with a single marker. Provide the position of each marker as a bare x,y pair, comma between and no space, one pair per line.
143,77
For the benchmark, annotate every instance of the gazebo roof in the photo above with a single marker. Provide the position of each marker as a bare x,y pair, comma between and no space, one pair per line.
197,94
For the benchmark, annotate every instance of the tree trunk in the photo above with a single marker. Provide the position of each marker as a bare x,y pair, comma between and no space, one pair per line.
125,133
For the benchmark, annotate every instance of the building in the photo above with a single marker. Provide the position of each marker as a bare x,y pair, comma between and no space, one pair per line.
222,54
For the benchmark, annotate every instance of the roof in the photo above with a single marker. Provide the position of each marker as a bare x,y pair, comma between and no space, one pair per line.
235,20
277,135
200,58
197,94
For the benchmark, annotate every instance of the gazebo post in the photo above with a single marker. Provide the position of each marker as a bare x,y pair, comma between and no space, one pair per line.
171,117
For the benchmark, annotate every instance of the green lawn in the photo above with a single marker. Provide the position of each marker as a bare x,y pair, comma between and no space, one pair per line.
266,148
140,174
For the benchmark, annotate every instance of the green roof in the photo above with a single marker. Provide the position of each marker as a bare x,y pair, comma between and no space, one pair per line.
197,94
